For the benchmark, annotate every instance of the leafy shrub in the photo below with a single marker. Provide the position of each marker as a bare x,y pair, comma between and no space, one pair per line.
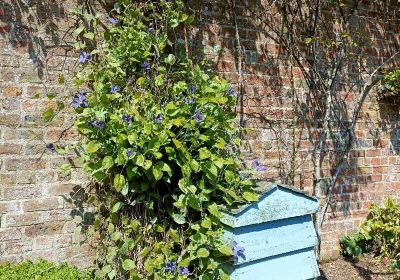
391,82
352,246
41,270
380,233
161,144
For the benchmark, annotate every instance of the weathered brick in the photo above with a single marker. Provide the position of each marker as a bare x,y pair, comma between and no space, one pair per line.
24,164
41,204
7,234
10,120
21,192
11,91
46,228
10,149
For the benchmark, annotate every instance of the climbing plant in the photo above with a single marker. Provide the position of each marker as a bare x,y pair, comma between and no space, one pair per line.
160,143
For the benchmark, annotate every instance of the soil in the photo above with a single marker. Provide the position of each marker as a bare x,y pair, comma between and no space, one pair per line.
367,268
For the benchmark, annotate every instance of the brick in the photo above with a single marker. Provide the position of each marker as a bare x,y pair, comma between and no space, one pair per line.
25,164
62,189
10,149
41,204
7,234
12,91
17,247
21,192
7,179
47,228
16,220
10,120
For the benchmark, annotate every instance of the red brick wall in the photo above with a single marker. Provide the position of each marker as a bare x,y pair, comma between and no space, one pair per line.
36,217
36,49
372,170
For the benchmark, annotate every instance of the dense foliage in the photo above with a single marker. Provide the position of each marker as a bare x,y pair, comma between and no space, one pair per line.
379,234
161,144
41,270
391,83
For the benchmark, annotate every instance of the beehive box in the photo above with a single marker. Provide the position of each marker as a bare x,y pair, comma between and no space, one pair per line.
277,235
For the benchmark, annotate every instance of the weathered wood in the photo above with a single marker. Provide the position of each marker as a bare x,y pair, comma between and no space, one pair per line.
276,235
273,238
296,265
277,203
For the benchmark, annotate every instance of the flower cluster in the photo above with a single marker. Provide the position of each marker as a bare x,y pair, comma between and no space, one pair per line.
188,101
258,166
115,89
231,92
84,57
126,118
170,267
159,118
79,100
51,147
198,117
97,124
146,66
130,153
113,20
192,89
237,251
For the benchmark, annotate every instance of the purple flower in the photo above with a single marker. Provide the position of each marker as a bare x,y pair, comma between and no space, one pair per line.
127,118
170,267
130,153
113,20
237,251
189,101
146,66
79,100
192,88
159,118
115,89
198,117
97,124
184,271
84,57
257,165
51,147
232,92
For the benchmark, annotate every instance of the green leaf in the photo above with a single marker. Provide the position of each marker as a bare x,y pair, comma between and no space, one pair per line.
92,147
157,172
119,182
89,35
250,196
48,115
225,250
194,202
213,209
108,162
117,206
79,30
204,153
206,223
203,253
178,218
170,59
128,264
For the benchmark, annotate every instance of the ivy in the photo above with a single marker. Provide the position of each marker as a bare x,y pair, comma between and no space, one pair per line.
160,142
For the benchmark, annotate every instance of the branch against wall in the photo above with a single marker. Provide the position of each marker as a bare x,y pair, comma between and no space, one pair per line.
327,41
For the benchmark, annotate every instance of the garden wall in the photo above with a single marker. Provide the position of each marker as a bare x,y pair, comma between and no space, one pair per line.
38,201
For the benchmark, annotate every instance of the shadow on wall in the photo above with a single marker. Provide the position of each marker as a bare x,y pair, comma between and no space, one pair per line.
283,101
389,110
40,28
33,26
